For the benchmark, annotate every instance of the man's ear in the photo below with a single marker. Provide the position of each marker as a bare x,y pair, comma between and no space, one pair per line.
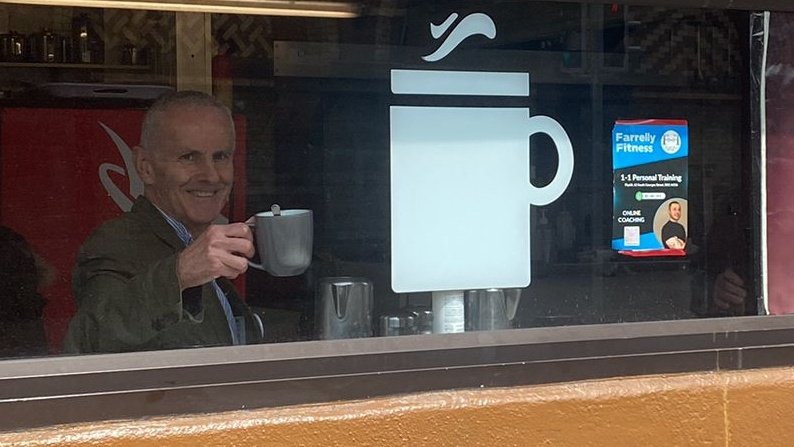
143,165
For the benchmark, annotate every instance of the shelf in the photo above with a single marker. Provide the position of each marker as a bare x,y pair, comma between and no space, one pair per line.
74,66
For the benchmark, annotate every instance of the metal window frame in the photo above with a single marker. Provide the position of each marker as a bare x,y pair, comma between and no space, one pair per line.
48,391
749,5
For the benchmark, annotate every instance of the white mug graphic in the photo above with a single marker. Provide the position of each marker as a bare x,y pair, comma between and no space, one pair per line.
460,183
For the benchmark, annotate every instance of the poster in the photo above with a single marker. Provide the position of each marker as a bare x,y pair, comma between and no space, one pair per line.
650,180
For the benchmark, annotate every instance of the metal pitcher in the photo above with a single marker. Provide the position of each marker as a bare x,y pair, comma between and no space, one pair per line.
344,307
491,309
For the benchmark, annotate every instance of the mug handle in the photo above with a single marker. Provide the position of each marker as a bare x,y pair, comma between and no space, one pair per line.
253,264
552,191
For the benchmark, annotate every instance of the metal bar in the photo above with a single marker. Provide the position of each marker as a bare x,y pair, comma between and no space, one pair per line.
749,5
48,391
303,8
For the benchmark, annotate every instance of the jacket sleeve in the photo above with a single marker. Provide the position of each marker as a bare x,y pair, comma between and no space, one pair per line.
122,306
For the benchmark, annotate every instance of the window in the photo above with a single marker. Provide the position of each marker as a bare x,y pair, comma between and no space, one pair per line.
470,167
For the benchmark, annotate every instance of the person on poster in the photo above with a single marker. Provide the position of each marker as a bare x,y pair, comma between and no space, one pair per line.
673,233
158,276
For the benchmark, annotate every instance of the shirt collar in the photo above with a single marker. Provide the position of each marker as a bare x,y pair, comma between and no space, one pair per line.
179,227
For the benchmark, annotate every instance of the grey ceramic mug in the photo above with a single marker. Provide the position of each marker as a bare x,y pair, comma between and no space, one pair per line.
284,242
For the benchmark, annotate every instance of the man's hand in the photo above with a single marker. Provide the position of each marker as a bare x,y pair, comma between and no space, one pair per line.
221,250
729,290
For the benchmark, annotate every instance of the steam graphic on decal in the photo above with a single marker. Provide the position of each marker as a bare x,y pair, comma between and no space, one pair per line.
471,25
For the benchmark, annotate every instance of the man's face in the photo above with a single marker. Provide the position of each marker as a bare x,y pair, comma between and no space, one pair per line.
189,173
675,212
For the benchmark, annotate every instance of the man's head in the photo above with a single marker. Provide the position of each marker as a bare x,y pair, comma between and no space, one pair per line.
185,157
674,210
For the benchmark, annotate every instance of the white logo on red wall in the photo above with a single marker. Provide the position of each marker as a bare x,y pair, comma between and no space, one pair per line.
134,184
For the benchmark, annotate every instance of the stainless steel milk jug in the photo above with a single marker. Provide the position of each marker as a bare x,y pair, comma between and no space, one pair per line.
344,307
491,309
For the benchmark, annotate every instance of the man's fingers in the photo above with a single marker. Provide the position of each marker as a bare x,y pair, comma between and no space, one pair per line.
232,238
725,299
729,290
733,288
733,278
733,285
234,265
238,229
734,298
233,230
236,245
219,251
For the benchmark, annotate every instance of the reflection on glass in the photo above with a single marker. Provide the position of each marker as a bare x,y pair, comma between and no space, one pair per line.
21,306
312,102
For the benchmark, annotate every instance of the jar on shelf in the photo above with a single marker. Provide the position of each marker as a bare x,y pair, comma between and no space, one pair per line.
13,47
47,46
87,44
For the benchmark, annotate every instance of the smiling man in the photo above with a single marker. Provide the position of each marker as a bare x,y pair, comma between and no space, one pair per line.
158,276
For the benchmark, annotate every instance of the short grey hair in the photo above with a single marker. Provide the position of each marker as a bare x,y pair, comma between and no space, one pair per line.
185,98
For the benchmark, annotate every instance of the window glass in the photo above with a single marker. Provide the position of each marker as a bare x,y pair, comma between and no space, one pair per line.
468,166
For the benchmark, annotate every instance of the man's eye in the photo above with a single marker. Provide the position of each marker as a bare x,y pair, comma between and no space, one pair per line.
189,157
222,156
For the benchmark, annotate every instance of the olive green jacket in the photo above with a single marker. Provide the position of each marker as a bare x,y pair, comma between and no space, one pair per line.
128,296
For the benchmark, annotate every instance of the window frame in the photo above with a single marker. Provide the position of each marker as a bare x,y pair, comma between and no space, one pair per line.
70,389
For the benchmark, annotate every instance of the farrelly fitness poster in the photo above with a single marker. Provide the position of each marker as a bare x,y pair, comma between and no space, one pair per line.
650,207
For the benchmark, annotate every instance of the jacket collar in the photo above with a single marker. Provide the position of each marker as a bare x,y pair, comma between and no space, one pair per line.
144,209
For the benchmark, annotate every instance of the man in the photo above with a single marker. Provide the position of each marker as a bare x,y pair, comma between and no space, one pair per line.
673,233
158,277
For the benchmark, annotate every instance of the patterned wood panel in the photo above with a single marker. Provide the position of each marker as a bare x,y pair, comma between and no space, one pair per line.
244,36
153,31
669,40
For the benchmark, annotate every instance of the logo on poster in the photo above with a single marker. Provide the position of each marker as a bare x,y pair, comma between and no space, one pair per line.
671,142
460,176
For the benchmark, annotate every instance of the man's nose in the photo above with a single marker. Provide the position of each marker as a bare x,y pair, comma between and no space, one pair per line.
209,172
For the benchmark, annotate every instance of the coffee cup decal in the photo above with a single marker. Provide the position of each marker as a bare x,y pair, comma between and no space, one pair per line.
461,190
